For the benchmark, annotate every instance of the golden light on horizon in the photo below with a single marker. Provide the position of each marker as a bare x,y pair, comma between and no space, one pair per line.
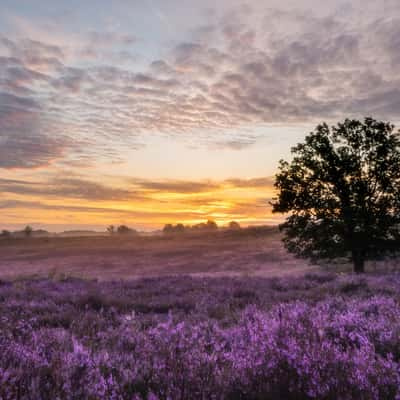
167,202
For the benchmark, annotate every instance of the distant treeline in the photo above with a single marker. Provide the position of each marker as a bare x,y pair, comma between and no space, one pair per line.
208,226
121,230
27,231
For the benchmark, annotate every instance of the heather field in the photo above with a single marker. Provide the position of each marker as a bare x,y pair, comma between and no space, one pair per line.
319,336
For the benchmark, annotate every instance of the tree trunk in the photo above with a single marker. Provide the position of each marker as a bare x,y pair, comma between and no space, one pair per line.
358,261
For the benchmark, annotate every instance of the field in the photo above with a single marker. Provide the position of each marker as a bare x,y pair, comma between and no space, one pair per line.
270,328
247,252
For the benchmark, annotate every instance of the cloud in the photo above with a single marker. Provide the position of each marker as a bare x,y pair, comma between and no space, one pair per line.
76,187
140,201
263,182
233,144
82,188
10,204
72,188
108,212
70,80
161,68
243,69
108,39
99,45
23,143
175,186
33,53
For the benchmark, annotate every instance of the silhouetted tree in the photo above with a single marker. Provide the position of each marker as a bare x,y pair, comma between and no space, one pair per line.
111,229
342,193
28,231
233,225
211,225
168,228
199,227
125,230
178,228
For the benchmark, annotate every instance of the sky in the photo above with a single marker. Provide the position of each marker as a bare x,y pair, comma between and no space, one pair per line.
163,111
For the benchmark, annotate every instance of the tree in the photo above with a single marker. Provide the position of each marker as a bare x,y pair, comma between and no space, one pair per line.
234,226
28,231
111,229
124,230
202,226
342,193
171,229
168,228
180,228
211,225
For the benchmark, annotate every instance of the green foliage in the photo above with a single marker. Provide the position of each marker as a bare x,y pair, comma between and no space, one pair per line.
342,192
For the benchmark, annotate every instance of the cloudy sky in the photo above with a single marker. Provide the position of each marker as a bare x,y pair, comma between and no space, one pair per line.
145,112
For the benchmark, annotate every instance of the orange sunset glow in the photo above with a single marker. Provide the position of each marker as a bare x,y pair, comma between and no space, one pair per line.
147,204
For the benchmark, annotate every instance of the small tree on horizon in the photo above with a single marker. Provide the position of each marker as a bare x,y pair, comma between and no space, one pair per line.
125,230
180,228
234,225
211,225
111,229
28,231
342,193
168,228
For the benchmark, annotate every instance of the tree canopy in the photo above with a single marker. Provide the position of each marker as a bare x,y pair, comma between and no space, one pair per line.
341,192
